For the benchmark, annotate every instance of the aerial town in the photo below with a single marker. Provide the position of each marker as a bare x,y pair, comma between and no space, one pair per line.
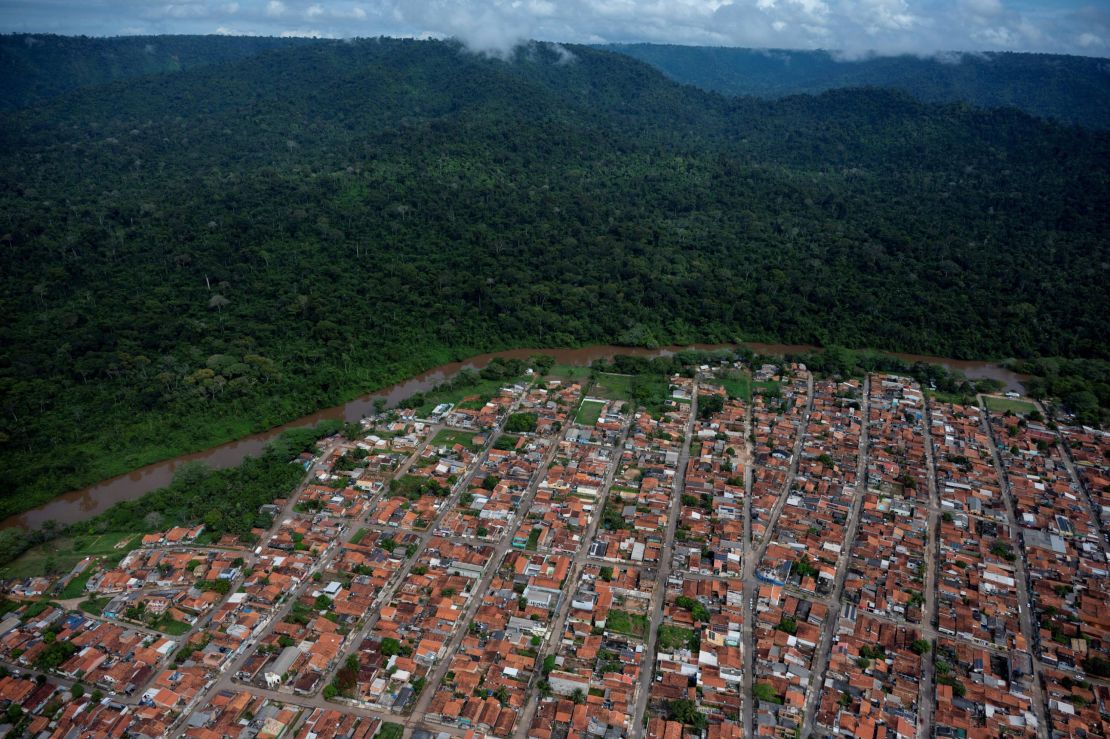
761,552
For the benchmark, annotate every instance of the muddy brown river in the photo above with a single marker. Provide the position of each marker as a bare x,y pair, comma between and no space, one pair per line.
80,505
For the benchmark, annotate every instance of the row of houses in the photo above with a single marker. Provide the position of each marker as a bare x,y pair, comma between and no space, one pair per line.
711,525
1064,550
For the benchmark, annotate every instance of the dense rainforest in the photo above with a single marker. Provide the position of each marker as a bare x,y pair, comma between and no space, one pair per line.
193,256
37,67
1072,89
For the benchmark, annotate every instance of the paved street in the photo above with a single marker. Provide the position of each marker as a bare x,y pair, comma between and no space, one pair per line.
658,595
821,660
754,555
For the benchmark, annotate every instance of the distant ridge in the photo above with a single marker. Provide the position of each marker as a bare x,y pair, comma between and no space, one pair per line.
1071,89
37,67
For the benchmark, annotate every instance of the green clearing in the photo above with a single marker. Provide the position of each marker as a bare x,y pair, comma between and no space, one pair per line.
75,588
533,540
390,730
173,627
674,637
569,372
95,606
614,387
623,622
737,385
58,556
449,438
588,412
649,391
483,389
1001,405
740,385
766,692
957,398
359,536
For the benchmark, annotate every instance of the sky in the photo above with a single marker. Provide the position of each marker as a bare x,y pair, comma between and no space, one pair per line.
855,28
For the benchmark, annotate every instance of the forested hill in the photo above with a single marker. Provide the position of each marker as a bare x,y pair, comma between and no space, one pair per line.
1067,88
190,257
37,67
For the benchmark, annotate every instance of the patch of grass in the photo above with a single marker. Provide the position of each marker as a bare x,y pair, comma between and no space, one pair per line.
1001,405
483,389
449,438
75,588
650,391
359,536
673,637
390,730
737,384
626,623
956,398
58,556
614,387
173,627
766,692
533,540
95,606
589,412
569,372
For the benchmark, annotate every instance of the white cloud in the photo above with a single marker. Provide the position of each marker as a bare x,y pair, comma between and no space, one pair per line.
275,8
1090,40
984,8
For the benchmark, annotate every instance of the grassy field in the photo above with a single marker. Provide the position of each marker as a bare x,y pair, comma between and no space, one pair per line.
75,588
626,623
652,389
740,385
569,372
737,384
673,637
60,555
173,627
613,387
447,437
483,389
95,606
956,398
1001,405
589,412
533,540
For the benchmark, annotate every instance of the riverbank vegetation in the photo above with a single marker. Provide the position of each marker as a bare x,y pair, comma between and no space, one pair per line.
194,257
1081,385
226,501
